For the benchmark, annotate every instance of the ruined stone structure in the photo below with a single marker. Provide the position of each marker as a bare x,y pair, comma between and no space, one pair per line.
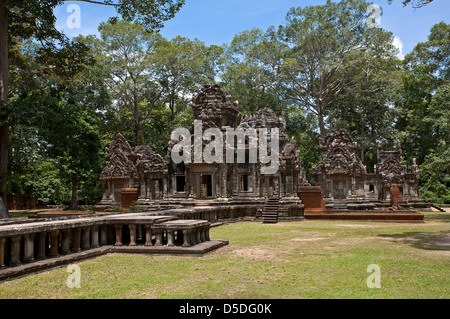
27,246
346,184
158,181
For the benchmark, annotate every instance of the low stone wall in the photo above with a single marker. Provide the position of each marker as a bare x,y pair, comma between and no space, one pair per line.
55,241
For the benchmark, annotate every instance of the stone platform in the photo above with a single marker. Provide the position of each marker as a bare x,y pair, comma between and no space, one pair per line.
61,261
372,216
28,246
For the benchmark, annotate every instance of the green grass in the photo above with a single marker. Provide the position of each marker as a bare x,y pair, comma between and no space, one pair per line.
310,259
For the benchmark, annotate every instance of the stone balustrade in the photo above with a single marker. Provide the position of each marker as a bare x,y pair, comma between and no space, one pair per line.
28,243
186,232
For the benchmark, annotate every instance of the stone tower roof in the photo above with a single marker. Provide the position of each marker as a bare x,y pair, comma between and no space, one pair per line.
216,105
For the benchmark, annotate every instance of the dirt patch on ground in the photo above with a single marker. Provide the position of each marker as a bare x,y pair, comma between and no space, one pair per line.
359,225
308,239
256,253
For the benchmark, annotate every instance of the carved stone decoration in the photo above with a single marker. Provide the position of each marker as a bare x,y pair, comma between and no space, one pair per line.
265,119
392,172
148,161
160,181
338,155
216,105
118,163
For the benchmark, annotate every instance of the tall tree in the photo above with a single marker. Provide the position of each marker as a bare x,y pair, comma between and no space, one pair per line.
317,51
135,84
56,120
414,3
245,77
35,19
423,111
365,105
185,65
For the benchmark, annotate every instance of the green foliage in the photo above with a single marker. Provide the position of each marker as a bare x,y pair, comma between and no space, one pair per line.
325,68
134,207
435,175
44,182
423,112
118,209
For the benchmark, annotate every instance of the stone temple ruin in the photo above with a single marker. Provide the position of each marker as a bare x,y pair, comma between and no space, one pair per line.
142,176
346,185
179,203
151,180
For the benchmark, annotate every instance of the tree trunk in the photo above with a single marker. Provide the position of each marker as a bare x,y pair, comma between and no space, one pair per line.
73,203
4,130
321,122
363,137
138,134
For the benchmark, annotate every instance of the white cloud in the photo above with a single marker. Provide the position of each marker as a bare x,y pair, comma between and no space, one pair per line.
399,45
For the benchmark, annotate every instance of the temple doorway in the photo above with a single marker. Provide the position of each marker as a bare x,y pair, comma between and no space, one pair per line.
206,186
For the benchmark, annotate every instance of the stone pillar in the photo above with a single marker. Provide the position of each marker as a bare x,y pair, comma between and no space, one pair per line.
15,251
54,234
103,235
170,241
186,238
118,229
395,193
2,252
202,234
86,238
42,238
94,237
197,236
158,236
132,228
207,228
28,248
76,246
139,232
148,235
65,243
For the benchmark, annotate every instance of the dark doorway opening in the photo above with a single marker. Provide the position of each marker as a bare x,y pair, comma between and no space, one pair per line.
181,183
207,184
245,183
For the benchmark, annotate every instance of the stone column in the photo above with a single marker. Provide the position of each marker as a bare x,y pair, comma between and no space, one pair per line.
76,246
138,232
207,228
15,251
202,234
186,238
158,236
197,236
86,238
170,241
28,248
65,243
118,229
2,252
103,235
148,235
42,238
94,237
54,234
132,228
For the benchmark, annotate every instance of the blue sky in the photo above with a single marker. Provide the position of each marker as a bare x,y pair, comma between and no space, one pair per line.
217,21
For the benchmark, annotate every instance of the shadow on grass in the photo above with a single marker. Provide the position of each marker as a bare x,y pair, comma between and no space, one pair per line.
437,217
422,240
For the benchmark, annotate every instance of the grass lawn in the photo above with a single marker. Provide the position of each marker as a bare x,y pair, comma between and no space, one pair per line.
310,259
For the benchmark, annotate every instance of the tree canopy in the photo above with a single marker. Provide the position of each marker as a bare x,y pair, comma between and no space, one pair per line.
327,67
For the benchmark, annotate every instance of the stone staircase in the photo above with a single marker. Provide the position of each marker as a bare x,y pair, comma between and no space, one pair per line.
438,208
270,212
